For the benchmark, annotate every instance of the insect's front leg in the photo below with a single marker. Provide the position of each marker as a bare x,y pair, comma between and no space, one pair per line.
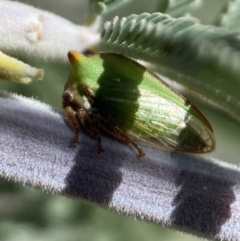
73,122
90,127
115,131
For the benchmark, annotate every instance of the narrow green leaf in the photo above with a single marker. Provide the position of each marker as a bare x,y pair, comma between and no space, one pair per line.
163,5
104,6
204,58
177,8
230,17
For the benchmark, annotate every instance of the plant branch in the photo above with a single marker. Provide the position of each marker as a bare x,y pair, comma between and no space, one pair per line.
191,193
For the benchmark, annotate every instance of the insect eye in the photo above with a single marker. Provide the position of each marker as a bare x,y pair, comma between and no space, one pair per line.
67,96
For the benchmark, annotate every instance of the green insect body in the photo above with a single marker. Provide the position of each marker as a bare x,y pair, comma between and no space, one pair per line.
116,94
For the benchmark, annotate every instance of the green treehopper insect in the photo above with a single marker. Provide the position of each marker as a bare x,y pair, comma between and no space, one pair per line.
116,94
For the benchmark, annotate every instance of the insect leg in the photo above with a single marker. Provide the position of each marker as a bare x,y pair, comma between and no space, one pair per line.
90,127
88,91
115,131
72,120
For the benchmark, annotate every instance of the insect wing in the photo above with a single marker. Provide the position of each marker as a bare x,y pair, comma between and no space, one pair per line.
161,123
